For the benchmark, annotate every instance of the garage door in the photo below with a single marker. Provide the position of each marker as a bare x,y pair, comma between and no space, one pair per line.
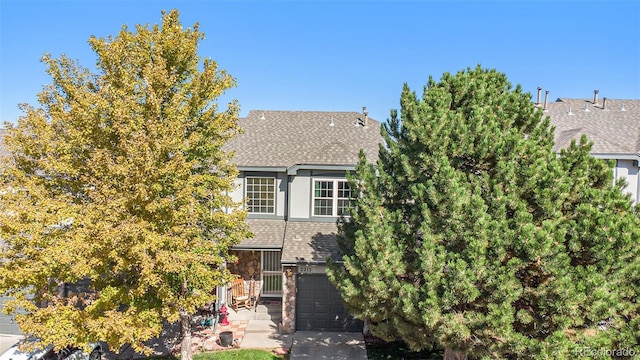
319,306
8,326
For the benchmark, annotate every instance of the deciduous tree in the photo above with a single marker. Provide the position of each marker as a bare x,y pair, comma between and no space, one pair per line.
118,182
470,233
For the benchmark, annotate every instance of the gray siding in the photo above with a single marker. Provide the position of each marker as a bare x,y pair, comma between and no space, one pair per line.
281,188
238,194
300,196
629,171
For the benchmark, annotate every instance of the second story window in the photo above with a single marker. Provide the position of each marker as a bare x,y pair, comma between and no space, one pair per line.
260,195
331,197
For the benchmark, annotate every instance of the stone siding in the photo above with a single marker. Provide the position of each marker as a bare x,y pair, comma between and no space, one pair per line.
248,268
288,300
248,264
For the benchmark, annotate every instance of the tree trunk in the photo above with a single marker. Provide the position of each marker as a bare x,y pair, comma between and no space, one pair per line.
451,354
186,353
366,330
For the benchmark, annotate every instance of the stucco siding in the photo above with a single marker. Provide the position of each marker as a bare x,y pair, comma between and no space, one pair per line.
300,196
281,191
237,193
628,170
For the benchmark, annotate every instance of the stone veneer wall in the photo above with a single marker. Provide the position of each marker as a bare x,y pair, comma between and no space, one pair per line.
248,265
288,300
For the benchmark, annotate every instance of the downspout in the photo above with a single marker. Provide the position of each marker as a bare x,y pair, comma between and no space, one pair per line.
286,214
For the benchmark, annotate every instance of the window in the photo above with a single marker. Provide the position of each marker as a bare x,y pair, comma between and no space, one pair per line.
260,194
331,197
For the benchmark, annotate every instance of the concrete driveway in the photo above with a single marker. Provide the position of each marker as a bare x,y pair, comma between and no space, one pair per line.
313,345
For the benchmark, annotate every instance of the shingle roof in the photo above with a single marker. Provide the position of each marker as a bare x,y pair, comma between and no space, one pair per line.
286,138
613,130
310,242
268,234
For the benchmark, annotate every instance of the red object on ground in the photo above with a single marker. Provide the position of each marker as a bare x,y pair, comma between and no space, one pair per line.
223,314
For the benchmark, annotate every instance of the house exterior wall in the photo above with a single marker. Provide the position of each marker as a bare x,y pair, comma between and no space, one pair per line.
238,194
281,194
301,187
288,325
247,266
628,170
300,196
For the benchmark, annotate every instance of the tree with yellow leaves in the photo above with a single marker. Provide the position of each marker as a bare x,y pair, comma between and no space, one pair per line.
118,181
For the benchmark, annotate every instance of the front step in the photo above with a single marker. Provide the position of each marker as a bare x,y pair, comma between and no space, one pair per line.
268,310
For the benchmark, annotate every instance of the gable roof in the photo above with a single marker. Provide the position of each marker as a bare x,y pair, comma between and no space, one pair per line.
614,130
288,138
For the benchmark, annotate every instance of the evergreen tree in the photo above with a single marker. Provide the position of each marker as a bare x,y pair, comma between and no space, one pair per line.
472,235
118,181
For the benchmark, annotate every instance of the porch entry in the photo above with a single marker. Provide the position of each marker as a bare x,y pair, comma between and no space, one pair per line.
271,274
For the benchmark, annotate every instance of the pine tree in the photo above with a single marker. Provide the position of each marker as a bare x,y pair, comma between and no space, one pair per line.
472,235
118,182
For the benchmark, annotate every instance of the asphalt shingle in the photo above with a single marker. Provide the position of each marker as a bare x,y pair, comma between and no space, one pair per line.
268,234
614,130
286,138
310,242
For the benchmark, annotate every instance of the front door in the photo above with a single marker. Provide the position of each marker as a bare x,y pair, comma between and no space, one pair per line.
271,274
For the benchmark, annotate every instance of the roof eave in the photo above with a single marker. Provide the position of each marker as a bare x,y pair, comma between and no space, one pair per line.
262,168
307,262
616,156
293,170
256,247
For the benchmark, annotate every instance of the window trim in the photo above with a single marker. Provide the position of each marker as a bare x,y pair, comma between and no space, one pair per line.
246,197
334,198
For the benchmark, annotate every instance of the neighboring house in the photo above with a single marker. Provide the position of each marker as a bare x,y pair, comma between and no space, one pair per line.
293,167
612,125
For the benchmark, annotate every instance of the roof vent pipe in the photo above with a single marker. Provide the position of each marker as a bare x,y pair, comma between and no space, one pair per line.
366,117
539,95
546,99
595,96
604,103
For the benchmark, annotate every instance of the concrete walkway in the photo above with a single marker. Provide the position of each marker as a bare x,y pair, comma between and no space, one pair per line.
263,334
312,345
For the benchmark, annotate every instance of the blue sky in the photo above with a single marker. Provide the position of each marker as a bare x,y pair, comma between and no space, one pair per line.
342,55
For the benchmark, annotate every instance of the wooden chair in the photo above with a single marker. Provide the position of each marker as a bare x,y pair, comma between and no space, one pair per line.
239,296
